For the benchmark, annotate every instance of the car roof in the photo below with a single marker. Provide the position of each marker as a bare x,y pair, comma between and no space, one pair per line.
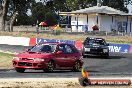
94,38
50,43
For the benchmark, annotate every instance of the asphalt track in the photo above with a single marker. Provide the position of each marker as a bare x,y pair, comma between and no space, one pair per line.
119,64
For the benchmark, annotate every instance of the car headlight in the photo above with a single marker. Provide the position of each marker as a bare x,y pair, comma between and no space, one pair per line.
16,58
105,50
38,59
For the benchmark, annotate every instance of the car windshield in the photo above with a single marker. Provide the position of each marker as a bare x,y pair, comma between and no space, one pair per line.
47,48
94,42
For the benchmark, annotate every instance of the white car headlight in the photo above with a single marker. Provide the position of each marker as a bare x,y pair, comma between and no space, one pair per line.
38,59
16,58
105,50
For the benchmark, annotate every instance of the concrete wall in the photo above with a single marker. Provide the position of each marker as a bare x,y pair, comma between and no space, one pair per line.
130,25
120,19
105,23
82,20
91,22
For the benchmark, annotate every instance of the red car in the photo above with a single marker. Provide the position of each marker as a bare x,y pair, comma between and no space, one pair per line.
49,57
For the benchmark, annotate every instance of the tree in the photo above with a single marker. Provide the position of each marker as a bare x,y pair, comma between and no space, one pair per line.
4,4
117,4
10,9
126,2
19,7
38,12
80,4
44,12
51,18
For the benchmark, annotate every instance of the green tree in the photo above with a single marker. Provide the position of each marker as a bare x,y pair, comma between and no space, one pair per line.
38,12
44,11
9,11
51,18
80,4
117,4
4,4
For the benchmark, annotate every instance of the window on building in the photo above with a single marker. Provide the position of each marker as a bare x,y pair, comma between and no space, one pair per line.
122,26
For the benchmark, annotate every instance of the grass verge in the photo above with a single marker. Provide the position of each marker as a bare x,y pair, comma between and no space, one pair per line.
5,60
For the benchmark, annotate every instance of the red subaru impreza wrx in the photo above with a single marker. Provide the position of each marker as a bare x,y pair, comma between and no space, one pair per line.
49,57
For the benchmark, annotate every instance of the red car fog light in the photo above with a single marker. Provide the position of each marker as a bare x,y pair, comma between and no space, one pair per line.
16,58
39,65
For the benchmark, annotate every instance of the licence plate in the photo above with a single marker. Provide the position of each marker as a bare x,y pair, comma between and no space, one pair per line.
87,49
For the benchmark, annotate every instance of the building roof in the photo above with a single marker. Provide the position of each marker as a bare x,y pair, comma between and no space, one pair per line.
97,10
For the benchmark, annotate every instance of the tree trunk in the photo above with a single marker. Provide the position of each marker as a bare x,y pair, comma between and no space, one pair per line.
12,20
0,15
7,26
4,13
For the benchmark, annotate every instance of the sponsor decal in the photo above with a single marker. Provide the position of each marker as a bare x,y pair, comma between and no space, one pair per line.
122,48
85,81
114,48
32,41
42,40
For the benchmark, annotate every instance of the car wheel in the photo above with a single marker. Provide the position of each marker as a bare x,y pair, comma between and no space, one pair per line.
84,56
20,70
77,66
50,67
106,56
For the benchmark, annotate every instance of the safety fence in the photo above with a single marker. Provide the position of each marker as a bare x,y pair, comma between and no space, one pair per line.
23,41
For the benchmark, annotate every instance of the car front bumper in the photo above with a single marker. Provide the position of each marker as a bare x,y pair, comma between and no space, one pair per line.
29,65
95,51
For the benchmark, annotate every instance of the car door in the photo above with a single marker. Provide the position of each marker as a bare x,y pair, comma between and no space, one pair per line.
61,57
71,56
66,58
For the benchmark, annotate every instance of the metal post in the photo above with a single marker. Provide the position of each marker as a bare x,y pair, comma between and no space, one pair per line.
77,23
127,25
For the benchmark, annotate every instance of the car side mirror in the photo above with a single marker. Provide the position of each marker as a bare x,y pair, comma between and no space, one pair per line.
59,52
26,50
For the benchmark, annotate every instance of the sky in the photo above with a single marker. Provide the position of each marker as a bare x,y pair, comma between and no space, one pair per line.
130,8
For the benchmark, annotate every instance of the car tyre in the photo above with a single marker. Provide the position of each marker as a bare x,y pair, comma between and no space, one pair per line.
84,56
50,67
77,66
106,56
20,70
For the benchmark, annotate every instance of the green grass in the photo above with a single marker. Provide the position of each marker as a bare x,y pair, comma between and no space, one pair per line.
5,60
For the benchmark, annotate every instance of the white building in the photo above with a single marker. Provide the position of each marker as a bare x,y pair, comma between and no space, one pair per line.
106,18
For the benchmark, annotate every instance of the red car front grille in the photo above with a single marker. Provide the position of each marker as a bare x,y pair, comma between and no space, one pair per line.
23,59
24,64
